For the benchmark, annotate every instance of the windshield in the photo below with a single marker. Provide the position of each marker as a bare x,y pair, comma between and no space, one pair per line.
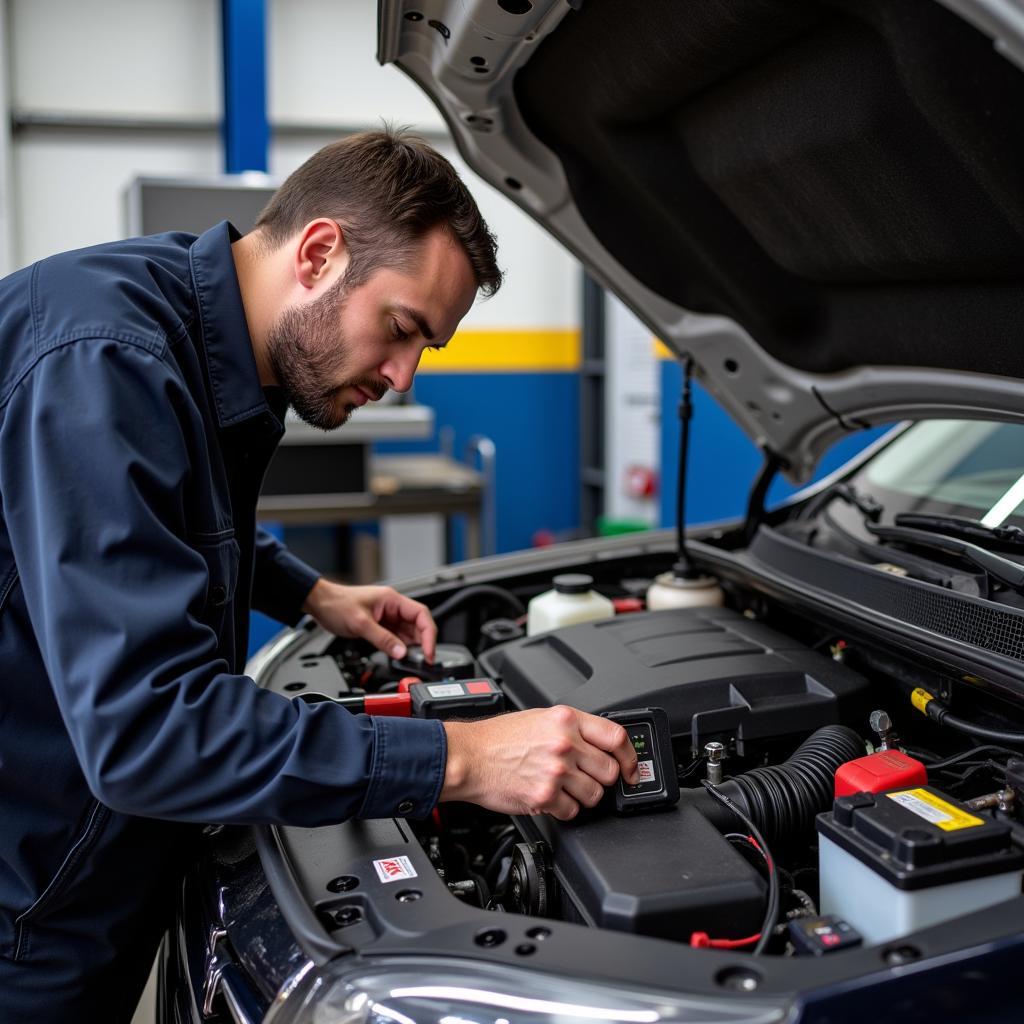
952,467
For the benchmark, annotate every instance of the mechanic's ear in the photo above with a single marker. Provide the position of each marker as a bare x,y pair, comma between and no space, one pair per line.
322,253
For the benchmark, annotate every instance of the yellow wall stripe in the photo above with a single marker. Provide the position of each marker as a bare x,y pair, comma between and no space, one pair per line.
662,351
539,349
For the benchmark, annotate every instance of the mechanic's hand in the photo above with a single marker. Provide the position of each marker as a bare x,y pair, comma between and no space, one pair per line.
545,761
387,619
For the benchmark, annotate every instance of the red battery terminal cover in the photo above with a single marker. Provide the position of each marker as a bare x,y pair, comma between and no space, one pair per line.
882,770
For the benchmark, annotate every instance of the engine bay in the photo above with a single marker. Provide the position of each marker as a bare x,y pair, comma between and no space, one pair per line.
819,809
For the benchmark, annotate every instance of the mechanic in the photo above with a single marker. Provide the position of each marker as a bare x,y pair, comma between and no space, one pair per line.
143,386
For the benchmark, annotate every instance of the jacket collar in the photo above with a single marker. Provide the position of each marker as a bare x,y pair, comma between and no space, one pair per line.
234,379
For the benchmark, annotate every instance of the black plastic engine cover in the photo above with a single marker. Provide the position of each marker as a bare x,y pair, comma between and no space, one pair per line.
666,874
718,675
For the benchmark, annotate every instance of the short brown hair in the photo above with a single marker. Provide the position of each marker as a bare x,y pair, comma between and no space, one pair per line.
387,189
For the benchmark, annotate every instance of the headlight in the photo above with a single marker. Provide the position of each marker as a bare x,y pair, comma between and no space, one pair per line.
448,991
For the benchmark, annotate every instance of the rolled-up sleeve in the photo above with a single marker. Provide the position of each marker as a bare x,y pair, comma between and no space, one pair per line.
94,463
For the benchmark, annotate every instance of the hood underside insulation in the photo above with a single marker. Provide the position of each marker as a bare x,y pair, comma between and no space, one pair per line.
844,179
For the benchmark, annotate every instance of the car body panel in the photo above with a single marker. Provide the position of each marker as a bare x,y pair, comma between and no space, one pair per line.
767,378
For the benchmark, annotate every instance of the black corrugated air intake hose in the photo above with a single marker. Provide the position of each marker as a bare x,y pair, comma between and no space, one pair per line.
783,799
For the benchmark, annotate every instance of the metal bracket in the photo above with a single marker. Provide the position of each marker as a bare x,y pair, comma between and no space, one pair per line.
215,963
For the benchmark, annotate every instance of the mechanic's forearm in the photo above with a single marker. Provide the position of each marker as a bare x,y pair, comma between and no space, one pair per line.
315,598
456,768
281,581
248,756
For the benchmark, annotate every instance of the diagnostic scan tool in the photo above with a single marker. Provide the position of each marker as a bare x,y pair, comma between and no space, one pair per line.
658,786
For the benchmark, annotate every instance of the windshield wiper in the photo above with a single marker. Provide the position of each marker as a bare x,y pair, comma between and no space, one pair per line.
868,506
1006,571
999,538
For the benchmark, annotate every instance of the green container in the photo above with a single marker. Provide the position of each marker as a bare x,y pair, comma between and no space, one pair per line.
608,527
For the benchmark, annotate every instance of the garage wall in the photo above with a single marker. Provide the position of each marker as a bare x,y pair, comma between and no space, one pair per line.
153,62
110,89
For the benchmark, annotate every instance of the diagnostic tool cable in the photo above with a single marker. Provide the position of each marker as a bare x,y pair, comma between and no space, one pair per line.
773,880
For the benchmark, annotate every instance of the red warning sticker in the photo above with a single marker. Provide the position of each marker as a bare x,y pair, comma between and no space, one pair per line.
393,869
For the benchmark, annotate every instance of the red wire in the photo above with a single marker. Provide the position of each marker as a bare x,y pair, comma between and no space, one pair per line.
757,846
701,940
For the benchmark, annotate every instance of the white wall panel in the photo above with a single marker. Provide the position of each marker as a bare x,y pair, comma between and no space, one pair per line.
7,195
632,414
146,58
71,187
161,59
323,68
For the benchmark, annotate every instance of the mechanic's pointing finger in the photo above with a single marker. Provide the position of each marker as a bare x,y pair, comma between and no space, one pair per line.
428,633
610,736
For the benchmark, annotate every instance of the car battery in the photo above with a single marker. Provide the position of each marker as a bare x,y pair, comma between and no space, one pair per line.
894,862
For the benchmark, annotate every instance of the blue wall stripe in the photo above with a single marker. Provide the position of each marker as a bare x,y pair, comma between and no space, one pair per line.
244,45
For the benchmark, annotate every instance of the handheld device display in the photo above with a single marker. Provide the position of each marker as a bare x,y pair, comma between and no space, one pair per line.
658,786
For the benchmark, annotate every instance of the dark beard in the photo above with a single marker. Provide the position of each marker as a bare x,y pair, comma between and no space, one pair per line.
306,348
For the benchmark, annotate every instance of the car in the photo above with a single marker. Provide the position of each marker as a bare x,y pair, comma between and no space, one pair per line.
817,207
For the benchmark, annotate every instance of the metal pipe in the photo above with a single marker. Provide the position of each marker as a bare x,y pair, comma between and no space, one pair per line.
485,450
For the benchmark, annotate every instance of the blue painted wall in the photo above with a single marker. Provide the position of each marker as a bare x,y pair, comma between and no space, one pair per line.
533,420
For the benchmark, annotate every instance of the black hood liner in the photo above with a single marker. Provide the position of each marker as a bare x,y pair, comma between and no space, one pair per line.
845,180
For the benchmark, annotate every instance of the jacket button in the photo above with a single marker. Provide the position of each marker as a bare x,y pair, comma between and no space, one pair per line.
405,807
218,593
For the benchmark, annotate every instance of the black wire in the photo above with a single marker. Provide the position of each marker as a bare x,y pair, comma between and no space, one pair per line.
505,844
690,769
993,766
773,879
974,752
759,493
737,839
477,591
682,566
926,757
979,730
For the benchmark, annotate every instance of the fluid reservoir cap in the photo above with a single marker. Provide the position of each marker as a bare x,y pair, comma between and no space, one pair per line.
450,661
573,583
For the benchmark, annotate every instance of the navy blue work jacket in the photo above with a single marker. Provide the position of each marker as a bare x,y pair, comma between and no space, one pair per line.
134,436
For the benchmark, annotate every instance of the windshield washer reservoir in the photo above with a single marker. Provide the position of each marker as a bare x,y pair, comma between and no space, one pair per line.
573,599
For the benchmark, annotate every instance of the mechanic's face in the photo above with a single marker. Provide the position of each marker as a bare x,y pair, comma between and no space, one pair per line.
350,346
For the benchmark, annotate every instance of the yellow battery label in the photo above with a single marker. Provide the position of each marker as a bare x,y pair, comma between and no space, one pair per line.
920,699
934,809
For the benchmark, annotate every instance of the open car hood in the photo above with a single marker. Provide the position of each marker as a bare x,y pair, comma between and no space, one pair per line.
821,202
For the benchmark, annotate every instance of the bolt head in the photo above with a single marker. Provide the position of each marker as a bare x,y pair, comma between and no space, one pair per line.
880,722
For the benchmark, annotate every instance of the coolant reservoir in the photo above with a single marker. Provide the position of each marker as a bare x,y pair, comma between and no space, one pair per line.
571,600
671,591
